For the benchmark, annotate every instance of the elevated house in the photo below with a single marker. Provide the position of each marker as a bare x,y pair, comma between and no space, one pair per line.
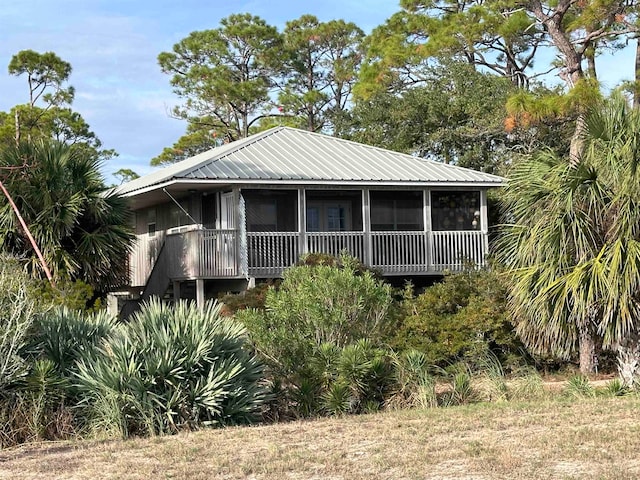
249,209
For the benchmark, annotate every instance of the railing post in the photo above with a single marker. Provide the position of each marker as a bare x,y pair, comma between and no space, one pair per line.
428,228
366,226
302,222
484,225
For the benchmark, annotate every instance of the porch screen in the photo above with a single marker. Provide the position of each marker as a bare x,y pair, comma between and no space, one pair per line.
455,210
271,210
396,211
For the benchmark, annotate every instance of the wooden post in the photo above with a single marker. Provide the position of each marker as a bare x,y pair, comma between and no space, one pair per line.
176,291
200,293
366,227
428,228
302,222
484,223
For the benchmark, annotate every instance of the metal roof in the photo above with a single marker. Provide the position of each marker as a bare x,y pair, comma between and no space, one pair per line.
289,155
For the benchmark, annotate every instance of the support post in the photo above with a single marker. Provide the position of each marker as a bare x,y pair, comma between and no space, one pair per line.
366,227
302,222
484,224
428,228
200,293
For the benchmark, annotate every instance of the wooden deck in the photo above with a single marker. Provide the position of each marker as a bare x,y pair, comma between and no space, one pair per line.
201,253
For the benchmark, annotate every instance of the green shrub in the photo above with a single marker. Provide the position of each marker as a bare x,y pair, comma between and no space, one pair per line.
316,305
64,336
17,311
320,334
172,368
252,298
463,317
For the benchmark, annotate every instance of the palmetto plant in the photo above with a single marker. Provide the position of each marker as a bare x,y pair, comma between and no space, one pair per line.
82,231
574,247
171,368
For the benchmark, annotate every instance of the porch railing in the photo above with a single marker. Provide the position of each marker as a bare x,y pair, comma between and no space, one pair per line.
269,253
203,253
215,253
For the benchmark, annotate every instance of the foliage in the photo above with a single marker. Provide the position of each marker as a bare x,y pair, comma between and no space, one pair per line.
415,385
223,75
320,333
253,298
464,316
465,127
47,115
74,295
320,60
316,305
172,368
18,307
64,336
571,245
82,231
579,386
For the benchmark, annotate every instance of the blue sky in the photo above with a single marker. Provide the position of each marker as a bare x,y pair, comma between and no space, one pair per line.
113,46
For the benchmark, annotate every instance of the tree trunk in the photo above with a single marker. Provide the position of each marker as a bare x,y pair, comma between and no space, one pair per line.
629,360
587,345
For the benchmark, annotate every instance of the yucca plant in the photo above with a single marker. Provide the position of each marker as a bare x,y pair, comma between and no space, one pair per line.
171,368
415,386
579,386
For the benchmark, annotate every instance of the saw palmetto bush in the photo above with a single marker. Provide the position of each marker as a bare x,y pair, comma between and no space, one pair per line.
64,336
171,368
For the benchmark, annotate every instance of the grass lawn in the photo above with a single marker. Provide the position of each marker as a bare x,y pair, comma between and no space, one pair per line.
590,438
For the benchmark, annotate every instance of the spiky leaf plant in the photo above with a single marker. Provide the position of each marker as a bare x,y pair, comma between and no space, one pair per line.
172,368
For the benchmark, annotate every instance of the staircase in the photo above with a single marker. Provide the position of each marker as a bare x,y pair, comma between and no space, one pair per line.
157,285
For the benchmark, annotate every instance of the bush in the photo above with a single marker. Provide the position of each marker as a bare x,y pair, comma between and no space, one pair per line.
17,311
65,336
172,368
311,331
463,317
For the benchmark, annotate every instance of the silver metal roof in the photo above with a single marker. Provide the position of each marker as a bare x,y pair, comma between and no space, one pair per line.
288,155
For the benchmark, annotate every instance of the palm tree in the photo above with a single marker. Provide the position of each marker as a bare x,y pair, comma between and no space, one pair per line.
573,246
83,231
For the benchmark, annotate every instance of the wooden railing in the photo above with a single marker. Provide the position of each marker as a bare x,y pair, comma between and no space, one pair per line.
202,253
143,257
269,253
456,250
215,253
334,243
400,252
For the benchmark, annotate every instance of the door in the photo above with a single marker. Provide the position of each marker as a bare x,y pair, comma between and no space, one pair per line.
227,217
227,240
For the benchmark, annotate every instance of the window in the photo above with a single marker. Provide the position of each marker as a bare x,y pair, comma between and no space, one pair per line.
328,216
151,222
396,211
271,210
455,210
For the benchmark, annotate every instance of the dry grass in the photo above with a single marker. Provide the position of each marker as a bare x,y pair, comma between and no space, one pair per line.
597,438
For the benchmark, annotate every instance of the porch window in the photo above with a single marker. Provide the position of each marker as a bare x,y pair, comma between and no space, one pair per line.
334,211
396,211
455,210
271,210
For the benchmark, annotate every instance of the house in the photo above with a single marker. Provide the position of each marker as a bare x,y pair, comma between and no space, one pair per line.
249,209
